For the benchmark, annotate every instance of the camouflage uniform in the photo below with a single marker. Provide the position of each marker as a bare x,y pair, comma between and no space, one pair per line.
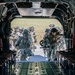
49,50
61,44
53,45
24,45
46,43
32,37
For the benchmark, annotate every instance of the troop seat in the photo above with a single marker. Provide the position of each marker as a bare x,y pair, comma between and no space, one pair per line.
7,62
69,55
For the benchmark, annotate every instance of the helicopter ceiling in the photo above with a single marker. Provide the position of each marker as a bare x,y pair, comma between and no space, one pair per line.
36,8
45,9
70,2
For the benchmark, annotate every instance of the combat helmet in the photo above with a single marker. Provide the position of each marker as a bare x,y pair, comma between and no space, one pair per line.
25,32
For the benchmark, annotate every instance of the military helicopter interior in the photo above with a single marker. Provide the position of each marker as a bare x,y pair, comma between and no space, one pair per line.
38,15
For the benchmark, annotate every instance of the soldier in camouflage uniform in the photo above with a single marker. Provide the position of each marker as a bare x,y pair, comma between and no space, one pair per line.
24,44
52,44
32,37
45,45
15,34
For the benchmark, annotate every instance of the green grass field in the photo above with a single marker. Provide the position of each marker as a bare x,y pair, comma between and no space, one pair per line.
40,24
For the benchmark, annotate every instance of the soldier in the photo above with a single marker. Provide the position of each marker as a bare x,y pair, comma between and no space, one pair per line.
53,44
14,35
51,26
20,33
32,37
61,39
16,29
24,44
47,31
61,43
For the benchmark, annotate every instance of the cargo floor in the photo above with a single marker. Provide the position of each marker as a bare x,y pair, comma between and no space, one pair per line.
37,65
37,68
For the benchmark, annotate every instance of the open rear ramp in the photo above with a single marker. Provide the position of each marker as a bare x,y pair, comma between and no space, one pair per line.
38,68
